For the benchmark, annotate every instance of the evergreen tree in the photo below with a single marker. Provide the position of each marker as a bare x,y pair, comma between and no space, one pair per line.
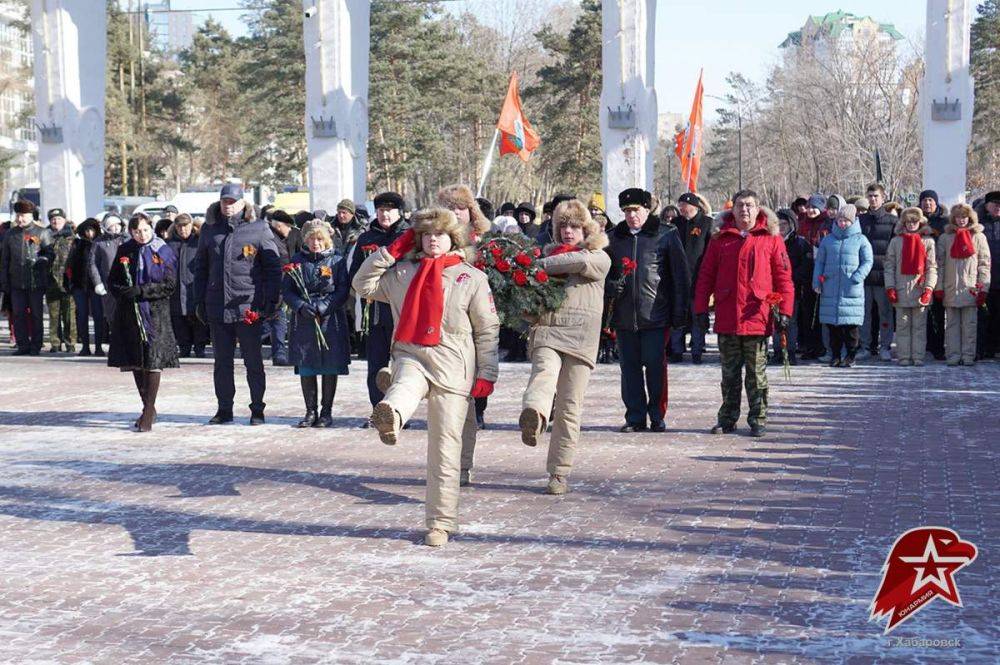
984,150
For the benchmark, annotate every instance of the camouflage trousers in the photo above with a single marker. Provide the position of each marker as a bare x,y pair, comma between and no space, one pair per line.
735,352
62,319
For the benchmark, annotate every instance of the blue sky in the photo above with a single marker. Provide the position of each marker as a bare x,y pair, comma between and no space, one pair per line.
719,35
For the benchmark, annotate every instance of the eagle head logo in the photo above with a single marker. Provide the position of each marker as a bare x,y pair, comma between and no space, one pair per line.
921,566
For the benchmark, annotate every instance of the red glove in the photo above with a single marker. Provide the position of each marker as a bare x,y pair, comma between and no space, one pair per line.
892,295
402,245
483,388
980,298
925,297
939,296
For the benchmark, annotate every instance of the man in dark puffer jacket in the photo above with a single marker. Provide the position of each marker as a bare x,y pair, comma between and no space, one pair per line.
878,226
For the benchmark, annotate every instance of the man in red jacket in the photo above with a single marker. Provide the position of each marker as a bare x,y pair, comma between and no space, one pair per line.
745,266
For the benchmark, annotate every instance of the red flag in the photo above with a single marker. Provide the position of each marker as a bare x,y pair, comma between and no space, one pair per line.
516,134
689,142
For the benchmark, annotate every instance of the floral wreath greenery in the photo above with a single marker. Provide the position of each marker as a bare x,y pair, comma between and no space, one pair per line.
521,288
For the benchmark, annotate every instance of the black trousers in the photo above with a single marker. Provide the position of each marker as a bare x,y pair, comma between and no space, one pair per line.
190,332
844,336
224,339
810,329
377,347
641,356
935,329
27,309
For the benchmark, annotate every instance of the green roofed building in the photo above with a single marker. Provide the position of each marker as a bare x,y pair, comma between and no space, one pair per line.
841,26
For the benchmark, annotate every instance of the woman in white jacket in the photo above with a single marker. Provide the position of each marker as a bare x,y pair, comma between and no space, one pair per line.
444,347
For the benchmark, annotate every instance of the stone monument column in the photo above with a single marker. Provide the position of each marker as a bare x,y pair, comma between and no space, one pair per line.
628,99
70,52
946,98
336,35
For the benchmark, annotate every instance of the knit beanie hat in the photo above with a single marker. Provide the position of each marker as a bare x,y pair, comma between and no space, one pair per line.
817,201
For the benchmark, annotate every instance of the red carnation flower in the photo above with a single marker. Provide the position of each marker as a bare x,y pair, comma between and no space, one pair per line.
250,317
479,265
496,251
520,278
288,267
523,259
536,252
628,266
541,277
503,265
123,260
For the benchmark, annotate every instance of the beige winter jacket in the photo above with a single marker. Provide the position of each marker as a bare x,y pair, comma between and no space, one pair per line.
957,276
469,328
575,328
909,288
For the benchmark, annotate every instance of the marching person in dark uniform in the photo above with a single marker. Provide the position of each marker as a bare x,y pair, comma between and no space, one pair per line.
319,338
376,317
650,288
142,279
189,331
237,283
25,259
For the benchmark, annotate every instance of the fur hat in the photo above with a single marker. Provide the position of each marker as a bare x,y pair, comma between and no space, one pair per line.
460,196
964,210
573,213
88,224
438,220
24,207
635,197
800,201
507,208
912,213
279,215
690,198
389,200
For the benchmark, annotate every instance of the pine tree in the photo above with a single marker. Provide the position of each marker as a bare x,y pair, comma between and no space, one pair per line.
984,150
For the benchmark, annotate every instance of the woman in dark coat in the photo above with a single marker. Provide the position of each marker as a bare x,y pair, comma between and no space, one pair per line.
189,331
143,277
323,273
88,303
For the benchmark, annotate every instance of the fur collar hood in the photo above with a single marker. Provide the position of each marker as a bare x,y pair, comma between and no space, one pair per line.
214,213
766,223
593,242
973,228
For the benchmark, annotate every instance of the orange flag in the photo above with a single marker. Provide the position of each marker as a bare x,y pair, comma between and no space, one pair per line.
516,134
689,141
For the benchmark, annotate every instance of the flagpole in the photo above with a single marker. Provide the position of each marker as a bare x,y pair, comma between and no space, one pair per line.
488,163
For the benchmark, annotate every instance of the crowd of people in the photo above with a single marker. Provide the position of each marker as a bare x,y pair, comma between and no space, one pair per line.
829,278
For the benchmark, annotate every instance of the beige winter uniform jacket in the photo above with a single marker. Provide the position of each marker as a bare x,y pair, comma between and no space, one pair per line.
469,328
957,276
575,328
909,288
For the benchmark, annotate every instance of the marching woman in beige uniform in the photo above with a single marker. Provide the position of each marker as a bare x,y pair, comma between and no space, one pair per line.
444,347
563,344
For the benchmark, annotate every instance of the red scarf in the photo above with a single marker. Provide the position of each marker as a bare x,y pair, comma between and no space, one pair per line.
962,248
564,249
914,254
423,306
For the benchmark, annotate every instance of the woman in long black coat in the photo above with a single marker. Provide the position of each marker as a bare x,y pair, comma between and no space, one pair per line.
143,277
323,273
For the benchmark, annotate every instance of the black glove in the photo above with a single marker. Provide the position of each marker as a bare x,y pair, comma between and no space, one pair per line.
131,293
701,320
308,309
201,313
783,321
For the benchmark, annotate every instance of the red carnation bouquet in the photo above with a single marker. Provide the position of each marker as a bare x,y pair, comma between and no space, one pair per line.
294,271
521,288
773,300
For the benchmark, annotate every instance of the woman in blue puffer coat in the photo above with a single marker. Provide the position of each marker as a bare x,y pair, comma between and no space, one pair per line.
319,310
843,260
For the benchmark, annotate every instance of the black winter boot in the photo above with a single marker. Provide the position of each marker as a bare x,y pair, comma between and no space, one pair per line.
329,392
309,391
152,387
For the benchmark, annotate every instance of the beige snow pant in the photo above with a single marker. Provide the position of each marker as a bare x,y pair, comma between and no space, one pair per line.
563,378
911,333
445,416
469,431
960,334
